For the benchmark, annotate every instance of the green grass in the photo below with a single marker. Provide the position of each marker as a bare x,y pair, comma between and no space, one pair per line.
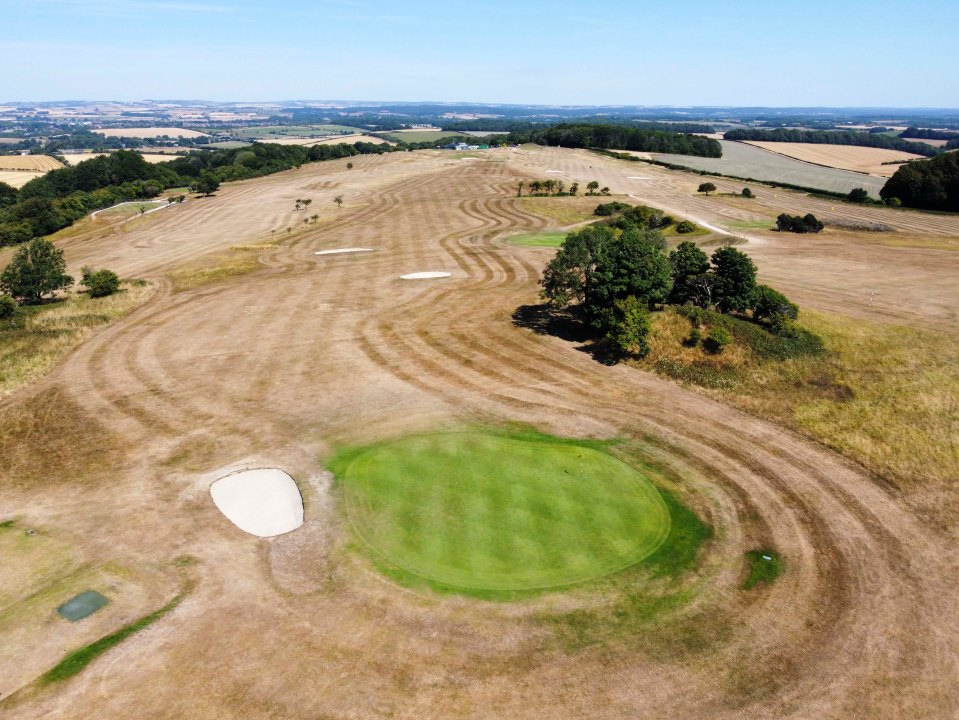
264,133
489,514
750,224
79,659
427,136
546,239
764,567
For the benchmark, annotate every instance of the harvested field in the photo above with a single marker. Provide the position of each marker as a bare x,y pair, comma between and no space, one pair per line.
328,140
151,132
18,178
281,360
747,161
74,158
37,163
415,136
934,143
845,157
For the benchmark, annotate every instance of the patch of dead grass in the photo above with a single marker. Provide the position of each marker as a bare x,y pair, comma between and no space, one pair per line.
239,260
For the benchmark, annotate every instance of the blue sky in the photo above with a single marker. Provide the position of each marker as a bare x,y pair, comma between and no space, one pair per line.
669,52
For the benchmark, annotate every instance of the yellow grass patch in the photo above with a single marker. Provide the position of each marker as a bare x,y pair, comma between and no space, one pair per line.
31,346
37,163
150,132
845,157
239,260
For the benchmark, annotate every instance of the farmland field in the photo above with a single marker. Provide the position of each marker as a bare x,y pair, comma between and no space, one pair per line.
845,157
415,136
150,132
301,131
39,163
18,178
74,158
742,160
405,411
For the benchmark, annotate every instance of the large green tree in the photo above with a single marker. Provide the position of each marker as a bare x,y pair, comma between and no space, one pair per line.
633,265
37,269
570,275
687,262
735,280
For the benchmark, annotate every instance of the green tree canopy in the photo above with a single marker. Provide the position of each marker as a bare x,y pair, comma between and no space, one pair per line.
37,269
634,265
735,279
706,187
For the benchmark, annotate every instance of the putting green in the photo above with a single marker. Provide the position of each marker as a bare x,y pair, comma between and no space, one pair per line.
487,512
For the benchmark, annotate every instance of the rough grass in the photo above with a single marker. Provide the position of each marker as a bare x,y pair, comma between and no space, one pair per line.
74,662
38,337
885,395
239,260
487,513
564,211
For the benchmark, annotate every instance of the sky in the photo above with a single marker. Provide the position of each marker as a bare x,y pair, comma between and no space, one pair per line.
874,53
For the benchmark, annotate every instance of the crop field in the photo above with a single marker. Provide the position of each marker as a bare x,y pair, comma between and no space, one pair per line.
415,136
38,163
18,178
151,132
496,523
74,158
301,131
845,157
326,140
742,160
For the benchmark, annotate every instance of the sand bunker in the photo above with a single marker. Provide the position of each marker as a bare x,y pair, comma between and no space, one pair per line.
340,251
263,502
425,275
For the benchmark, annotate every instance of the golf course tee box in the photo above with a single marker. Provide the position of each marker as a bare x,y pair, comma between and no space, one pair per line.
482,511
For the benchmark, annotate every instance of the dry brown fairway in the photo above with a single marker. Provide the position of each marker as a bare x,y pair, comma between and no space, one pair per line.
298,353
846,157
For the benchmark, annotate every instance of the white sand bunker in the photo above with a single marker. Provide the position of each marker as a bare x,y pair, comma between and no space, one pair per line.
339,251
263,502
425,275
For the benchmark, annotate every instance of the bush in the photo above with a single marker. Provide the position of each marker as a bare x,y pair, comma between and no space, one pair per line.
747,193
611,208
718,339
630,327
694,337
8,306
769,304
685,227
893,202
100,283
793,223
858,195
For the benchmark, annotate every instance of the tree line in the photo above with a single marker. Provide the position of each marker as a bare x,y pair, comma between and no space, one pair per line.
927,184
832,137
618,137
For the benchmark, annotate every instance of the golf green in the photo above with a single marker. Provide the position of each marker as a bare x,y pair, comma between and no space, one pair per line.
492,512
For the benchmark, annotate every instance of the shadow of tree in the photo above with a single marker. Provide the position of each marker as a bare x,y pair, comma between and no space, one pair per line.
567,324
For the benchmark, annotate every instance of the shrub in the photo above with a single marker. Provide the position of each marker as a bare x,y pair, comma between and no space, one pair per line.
747,193
768,304
100,283
793,223
8,306
718,339
858,195
893,202
611,208
685,227
630,327
694,337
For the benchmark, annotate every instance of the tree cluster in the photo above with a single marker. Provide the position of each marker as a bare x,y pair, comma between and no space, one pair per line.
617,276
928,134
832,137
799,224
928,184
619,137
547,188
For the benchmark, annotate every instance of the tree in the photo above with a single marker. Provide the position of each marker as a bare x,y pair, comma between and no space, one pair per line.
793,223
632,265
747,193
687,262
8,195
349,166
549,184
591,187
206,184
338,200
770,304
8,306
534,187
100,283
604,191
684,227
706,187
519,189
735,280
630,327
858,195
36,270
570,275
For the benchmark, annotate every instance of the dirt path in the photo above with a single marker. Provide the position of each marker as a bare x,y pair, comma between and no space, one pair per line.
308,352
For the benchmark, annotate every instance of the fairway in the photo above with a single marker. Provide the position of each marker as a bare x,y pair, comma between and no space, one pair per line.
484,512
546,239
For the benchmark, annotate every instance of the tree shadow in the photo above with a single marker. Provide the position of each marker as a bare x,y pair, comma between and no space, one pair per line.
567,324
